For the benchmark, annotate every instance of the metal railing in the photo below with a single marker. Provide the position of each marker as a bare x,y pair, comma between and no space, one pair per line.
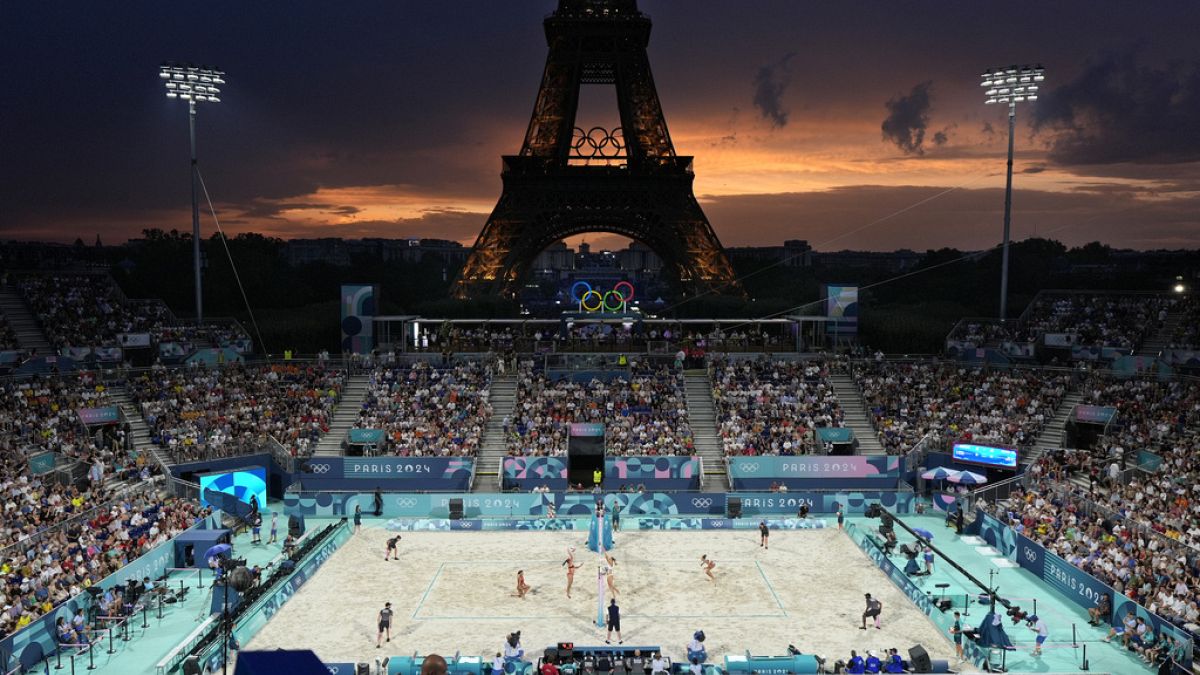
124,493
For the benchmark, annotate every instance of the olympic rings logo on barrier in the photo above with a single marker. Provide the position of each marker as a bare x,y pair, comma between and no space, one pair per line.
1030,554
320,468
701,502
748,467
592,300
406,502
716,524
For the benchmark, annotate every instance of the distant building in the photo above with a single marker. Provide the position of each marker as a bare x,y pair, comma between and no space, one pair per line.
793,253
888,261
555,258
336,251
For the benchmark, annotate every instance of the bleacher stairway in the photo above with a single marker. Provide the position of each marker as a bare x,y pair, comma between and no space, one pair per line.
138,429
702,417
344,417
503,397
1154,344
24,324
1054,435
855,412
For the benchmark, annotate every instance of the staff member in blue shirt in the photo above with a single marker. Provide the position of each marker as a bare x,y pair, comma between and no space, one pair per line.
895,664
873,663
855,665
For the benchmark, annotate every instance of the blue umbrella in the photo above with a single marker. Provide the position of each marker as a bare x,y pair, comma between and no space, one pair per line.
968,478
923,532
217,550
940,473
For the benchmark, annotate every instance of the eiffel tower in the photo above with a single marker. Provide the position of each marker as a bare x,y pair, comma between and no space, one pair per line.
625,180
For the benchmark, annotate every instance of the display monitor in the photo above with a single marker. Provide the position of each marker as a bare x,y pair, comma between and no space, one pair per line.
241,484
986,455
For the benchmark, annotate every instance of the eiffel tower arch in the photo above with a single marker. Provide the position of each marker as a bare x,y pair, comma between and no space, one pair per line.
625,180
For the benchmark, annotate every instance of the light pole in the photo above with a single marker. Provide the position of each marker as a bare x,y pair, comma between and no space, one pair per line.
1010,85
194,84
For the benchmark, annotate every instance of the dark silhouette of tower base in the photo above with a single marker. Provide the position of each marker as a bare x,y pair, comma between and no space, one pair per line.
626,180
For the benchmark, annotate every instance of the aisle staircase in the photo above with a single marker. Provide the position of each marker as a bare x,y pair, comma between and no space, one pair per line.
702,417
344,417
503,397
1155,344
139,430
1054,435
855,412
24,324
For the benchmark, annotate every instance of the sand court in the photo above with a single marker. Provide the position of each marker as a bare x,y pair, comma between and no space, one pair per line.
455,592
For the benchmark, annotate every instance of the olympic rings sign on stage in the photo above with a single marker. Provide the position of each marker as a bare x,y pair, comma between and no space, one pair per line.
701,502
593,300
320,468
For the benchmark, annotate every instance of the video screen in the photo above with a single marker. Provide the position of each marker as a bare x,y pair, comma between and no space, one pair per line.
239,483
986,455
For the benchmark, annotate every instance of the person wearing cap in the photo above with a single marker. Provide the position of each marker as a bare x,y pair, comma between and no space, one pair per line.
894,664
873,663
1038,625
385,624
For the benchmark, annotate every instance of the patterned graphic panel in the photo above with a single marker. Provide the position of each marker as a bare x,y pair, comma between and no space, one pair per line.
358,313
242,483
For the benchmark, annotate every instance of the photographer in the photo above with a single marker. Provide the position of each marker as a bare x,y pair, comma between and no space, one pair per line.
1101,612
513,651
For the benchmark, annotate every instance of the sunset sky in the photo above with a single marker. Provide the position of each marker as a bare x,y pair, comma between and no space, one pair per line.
852,125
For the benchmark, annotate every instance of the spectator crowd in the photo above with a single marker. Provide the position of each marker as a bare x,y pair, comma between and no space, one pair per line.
908,400
644,413
197,413
773,407
426,411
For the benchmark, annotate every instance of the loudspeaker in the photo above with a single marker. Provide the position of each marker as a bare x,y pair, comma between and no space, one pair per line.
295,526
918,658
191,665
189,555
456,509
733,507
550,655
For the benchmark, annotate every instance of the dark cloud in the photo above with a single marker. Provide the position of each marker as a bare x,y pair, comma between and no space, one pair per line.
1036,168
1119,111
940,138
962,218
908,116
770,82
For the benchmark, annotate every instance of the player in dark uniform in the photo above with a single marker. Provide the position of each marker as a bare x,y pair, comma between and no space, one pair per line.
764,532
874,607
385,624
391,549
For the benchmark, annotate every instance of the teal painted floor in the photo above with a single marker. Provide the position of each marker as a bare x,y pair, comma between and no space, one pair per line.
147,646
1019,587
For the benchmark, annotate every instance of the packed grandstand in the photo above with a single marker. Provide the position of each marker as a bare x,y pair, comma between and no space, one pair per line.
1119,500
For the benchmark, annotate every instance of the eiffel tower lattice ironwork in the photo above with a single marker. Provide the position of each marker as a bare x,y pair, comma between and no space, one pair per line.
625,180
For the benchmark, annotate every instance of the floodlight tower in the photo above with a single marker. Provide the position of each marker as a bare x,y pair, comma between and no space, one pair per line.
1011,85
194,84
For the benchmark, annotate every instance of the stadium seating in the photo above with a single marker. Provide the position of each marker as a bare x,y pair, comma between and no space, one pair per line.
426,411
195,413
773,407
645,414
911,399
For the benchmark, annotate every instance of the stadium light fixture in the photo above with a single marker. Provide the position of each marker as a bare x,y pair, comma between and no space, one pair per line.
1011,85
194,84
